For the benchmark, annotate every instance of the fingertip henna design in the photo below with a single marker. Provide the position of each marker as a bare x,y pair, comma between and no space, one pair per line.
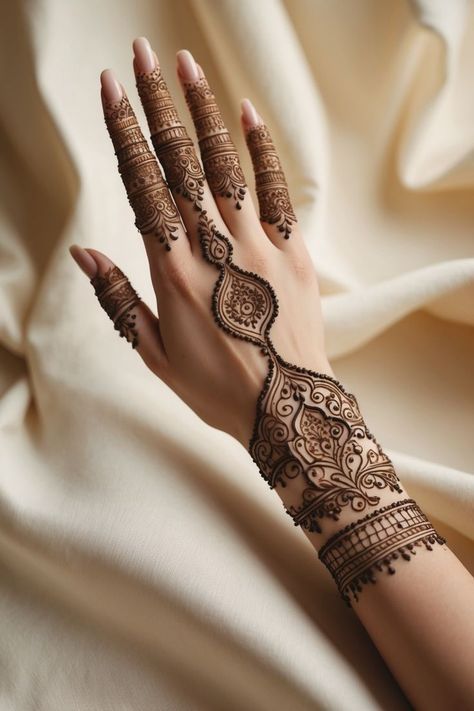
148,195
355,553
174,148
270,182
219,156
118,297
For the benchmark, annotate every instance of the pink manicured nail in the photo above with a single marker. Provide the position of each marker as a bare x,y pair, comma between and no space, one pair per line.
84,260
110,86
187,67
249,114
144,55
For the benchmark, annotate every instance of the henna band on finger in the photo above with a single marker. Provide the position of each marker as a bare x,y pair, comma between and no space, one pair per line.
355,553
174,148
270,182
147,192
219,156
118,297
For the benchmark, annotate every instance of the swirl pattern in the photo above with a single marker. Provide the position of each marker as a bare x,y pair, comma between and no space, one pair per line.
173,146
307,425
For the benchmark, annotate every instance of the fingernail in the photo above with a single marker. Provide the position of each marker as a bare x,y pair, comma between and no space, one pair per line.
144,55
110,86
249,113
187,67
84,260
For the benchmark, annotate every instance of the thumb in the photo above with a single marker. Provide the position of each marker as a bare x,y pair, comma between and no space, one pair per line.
132,318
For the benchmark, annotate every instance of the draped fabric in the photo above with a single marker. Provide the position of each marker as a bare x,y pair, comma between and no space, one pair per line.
144,564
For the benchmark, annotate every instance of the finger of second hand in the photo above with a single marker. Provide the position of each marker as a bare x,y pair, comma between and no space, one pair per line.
156,216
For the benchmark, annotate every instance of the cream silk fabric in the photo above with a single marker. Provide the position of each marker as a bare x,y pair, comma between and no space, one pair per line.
144,564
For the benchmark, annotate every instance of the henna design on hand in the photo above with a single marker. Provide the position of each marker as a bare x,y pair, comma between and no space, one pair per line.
307,425
353,554
219,156
270,183
174,148
118,297
147,192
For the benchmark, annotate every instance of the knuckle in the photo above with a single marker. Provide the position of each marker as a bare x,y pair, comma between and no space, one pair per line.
303,270
258,263
178,279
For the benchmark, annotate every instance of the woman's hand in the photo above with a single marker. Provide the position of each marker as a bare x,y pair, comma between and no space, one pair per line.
217,375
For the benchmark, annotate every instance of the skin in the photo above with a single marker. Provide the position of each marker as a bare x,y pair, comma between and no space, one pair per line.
420,619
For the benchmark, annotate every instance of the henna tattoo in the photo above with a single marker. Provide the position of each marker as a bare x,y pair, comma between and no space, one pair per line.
307,425
118,297
174,148
354,554
270,183
147,192
219,156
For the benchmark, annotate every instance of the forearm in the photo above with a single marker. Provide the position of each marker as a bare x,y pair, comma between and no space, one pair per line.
409,590
420,619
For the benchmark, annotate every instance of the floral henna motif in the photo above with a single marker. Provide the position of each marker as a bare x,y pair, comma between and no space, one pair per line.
174,148
118,297
270,183
219,156
147,192
353,554
307,425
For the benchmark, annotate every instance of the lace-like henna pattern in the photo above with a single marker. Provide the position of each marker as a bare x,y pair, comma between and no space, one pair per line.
307,425
219,156
353,554
147,192
118,297
270,183
174,148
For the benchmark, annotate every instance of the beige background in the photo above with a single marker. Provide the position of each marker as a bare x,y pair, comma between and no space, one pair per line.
144,564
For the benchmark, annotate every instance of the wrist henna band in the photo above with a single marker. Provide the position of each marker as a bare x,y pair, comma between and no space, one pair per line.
118,297
353,554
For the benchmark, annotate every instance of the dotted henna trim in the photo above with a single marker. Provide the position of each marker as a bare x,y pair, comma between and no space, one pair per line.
356,553
173,146
147,192
306,424
270,182
219,156
118,297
